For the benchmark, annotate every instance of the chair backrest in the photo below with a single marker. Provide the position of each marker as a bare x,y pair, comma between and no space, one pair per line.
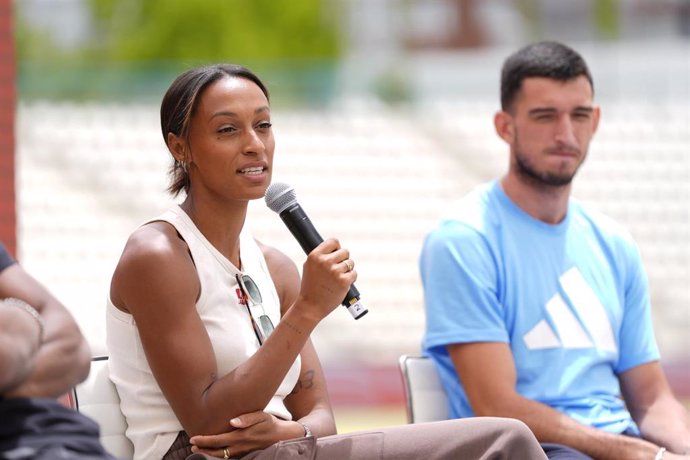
425,398
97,398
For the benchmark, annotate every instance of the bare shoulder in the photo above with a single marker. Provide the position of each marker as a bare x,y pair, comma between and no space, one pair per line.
151,245
155,257
284,274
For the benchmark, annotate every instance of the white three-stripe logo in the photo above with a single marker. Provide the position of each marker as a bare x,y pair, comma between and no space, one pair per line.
593,329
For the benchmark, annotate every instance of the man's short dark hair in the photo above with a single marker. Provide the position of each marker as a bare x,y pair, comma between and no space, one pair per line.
543,59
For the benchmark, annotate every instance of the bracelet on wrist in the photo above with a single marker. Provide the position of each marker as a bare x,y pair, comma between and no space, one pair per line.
307,431
12,302
660,454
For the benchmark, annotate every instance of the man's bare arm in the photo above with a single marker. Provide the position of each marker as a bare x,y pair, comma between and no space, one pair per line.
62,359
661,417
20,338
488,373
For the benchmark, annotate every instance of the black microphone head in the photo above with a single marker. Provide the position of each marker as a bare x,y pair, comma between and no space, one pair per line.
280,196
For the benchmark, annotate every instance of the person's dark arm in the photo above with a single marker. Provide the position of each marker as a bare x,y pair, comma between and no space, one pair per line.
20,337
63,357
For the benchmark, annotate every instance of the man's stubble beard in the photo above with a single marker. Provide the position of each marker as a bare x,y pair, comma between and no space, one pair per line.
526,169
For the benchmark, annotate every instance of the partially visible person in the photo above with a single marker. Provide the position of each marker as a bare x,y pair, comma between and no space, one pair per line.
42,356
208,330
537,306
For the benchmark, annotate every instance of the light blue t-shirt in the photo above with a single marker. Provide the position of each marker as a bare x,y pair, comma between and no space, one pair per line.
571,300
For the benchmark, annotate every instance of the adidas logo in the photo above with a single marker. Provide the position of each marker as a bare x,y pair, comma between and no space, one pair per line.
587,327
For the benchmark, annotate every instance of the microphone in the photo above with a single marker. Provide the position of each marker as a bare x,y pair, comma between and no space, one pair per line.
281,198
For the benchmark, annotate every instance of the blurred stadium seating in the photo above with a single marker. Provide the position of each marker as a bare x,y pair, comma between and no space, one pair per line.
375,177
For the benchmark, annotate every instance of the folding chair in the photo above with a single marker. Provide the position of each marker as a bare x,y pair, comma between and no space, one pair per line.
425,398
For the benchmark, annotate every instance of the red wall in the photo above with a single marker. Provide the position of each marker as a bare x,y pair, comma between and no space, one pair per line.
8,219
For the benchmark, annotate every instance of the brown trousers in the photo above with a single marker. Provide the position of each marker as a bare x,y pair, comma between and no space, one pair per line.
479,438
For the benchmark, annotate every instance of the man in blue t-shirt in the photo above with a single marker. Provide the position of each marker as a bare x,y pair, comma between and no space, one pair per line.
537,306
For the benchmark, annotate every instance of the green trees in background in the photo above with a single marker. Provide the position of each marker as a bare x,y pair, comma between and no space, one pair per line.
135,47
213,30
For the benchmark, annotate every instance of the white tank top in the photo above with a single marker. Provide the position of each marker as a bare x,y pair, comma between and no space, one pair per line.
152,425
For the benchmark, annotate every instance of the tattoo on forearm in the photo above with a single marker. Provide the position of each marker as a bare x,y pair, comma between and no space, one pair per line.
305,382
292,326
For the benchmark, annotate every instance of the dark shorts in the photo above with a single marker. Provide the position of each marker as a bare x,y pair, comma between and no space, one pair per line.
561,452
45,429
